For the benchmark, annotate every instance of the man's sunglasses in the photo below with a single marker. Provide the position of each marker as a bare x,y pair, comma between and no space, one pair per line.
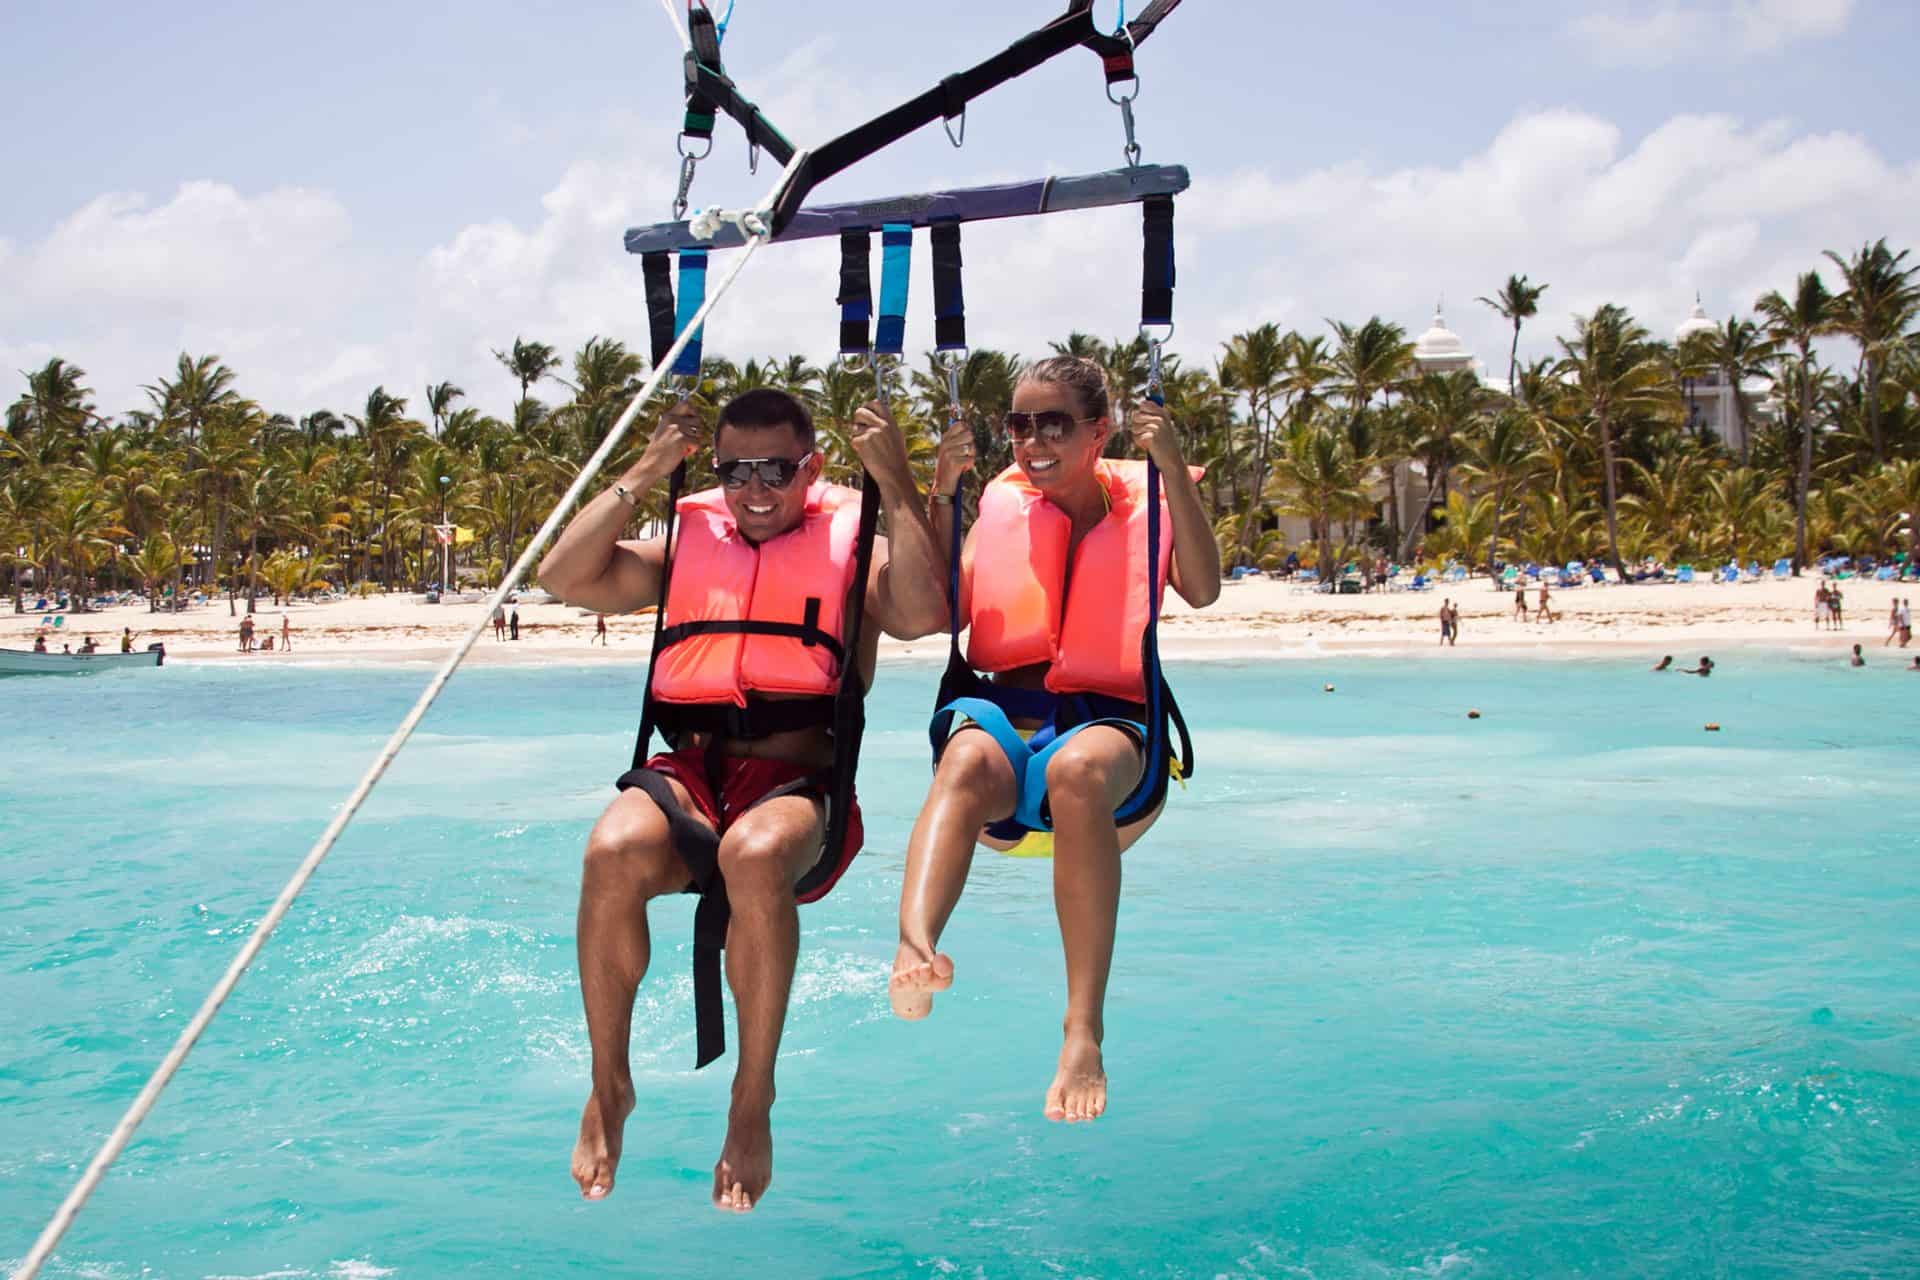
775,473
1051,425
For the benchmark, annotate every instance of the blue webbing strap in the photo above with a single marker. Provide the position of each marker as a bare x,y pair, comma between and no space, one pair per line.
949,299
856,293
693,296
896,268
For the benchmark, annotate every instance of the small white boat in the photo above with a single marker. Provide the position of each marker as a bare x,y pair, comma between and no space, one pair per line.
25,662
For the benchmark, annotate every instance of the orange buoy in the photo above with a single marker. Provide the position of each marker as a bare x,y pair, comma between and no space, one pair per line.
1473,713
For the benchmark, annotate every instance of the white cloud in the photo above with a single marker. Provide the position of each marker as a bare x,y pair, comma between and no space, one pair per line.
311,312
1659,35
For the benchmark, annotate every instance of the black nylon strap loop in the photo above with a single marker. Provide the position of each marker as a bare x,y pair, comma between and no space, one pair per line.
856,292
656,271
949,296
1157,273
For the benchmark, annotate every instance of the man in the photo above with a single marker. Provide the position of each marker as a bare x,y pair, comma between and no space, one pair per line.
499,622
126,639
753,792
1664,664
513,624
1446,621
599,630
1704,669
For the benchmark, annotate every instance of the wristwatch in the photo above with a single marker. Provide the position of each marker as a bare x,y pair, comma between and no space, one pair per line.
626,495
944,499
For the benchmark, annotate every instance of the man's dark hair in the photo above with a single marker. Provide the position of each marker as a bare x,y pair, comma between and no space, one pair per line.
768,407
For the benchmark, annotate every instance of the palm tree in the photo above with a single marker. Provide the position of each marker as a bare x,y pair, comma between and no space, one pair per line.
528,362
1738,499
1880,302
157,560
440,398
57,403
1798,320
1502,454
1618,374
1256,365
1518,301
188,401
1319,478
81,532
1738,351
1445,407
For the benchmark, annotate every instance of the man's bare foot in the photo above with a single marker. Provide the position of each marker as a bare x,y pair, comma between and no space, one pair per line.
598,1151
746,1160
917,974
1079,1088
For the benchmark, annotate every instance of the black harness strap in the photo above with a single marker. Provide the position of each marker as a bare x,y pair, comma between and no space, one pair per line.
856,292
807,631
1156,274
656,271
949,296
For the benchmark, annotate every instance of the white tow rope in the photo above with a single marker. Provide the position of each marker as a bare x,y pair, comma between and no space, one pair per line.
123,1132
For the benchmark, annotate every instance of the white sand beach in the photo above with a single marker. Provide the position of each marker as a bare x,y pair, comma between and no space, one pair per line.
1254,618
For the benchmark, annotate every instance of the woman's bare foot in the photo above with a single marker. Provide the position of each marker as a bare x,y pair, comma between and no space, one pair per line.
1079,1088
917,973
746,1159
597,1152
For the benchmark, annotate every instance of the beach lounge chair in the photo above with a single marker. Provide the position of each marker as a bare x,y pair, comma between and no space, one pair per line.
1684,575
1782,569
1420,583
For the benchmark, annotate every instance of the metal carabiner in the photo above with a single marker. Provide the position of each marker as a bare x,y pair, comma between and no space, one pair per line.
1156,349
1125,103
958,140
883,367
687,164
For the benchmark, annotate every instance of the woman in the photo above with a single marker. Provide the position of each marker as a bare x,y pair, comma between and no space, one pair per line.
1055,589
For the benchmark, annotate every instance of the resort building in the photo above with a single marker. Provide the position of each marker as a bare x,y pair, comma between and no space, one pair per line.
1710,407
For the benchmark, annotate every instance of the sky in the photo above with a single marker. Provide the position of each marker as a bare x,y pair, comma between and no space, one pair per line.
336,197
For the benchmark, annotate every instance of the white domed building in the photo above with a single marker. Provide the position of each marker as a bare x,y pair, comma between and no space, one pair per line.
1710,406
1440,350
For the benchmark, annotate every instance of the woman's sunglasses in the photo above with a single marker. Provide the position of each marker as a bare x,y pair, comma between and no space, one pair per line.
775,473
1051,425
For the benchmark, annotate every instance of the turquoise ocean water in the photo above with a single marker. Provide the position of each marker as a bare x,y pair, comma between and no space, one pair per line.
1574,989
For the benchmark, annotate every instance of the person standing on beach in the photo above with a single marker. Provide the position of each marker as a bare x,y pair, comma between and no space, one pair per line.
126,640
1543,613
1453,625
1906,622
1833,607
763,577
1520,602
286,633
1893,622
499,622
599,630
1820,606
1446,621
513,624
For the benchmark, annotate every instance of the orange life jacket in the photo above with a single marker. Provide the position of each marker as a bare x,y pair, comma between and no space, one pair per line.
1017,600
797,581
